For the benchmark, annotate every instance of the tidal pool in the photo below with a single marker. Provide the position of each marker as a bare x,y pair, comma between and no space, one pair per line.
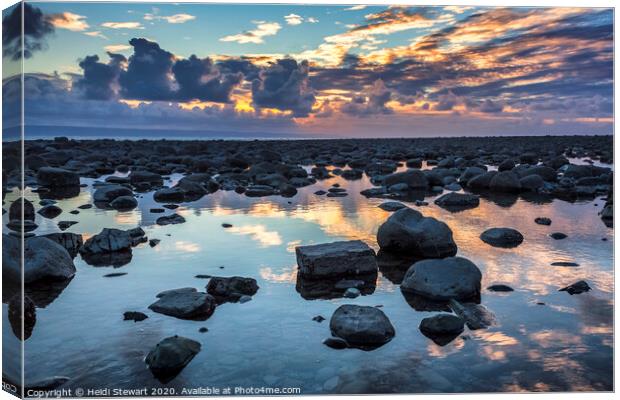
545,340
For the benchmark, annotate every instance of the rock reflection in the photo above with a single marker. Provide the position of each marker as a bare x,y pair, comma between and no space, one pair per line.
394,266
313,289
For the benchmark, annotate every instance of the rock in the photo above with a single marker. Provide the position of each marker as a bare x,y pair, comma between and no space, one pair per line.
454,187
106,194
170,356
352,293
107,241
577,288
443,279
115,274
414,179
318,318
244,299
135,316
85,206
506,165
171,219
564,264
64,225
165,195
361,326
225,225
502,237
391,206
203,329
57,177
482,181
231,289
185,304
320,192
17,225
50,211
505,181
500,288
44,260
442,328
558,235
458,201
70,241
124,203
150,178
15,211
531,182
260,191
154,242
335,343
543,221
336,259
157,210
407,231
15,316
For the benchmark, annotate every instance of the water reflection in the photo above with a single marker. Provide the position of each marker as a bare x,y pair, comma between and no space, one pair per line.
564,343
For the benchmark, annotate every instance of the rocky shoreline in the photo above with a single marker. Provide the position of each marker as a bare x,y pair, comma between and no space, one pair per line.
435,278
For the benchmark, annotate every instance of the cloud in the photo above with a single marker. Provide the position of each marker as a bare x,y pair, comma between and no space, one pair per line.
171,19
100,80
284,86
70,21
148,72
198,79
355,8
96,34
293,19
255,35
122,25
36,29
115,48
372,103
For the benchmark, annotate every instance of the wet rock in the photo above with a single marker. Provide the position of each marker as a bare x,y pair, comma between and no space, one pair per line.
259,191
442,328
170,356
70,241
185,304
502,237
15,211
312,288
15,316
500,288
361,326
336,259
115,274
57,177
543,221
505,181
558,235
225,225
407,231
44,260
506,165
64,225
564,264
157,210
318,318
106,194
576,288
244,299
124,203
391,206
443,279
203,329
414,179
150,178
135,316
531,182
335,343
458,201
171,219
231,289
320,192
154,242
17,225
175,194
50,211
351,293
85,206
107,241
482,181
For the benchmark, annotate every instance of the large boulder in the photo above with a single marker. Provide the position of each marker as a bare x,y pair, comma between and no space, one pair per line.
57,177
70,241
170,356
43,260
442,328
481,181
506,181
231,289
443,279
336,259
361,326
185,303
414,179
407,231
531,182
107,193
502,237
107,241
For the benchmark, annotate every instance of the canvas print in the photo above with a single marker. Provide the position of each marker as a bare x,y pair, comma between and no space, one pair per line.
295,199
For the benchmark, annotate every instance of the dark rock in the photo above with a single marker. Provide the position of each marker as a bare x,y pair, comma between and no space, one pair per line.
414,179
558,235
107,241
15,211
442,328
407,231
336,259
171,219
57,177
170,356
15,316
505,182
500,288
361,326
391,206
543,221
115,274
564,264
124,203
577,288
135,316
106,194
164,195
51,211
318,318
458,201
335,343
185,304
64,225
502,237
154,242
231,289
443,279
70,241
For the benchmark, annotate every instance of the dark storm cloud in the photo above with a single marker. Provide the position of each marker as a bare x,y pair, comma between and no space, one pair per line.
100,80
190,73
284,86
372,103
36,28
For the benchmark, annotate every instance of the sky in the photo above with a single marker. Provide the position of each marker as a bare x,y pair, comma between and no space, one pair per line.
298,70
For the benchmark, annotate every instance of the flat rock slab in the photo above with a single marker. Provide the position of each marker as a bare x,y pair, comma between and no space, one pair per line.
185,304
361,326
168,358
336,259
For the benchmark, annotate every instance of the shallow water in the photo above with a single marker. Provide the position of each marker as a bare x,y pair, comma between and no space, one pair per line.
272,341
